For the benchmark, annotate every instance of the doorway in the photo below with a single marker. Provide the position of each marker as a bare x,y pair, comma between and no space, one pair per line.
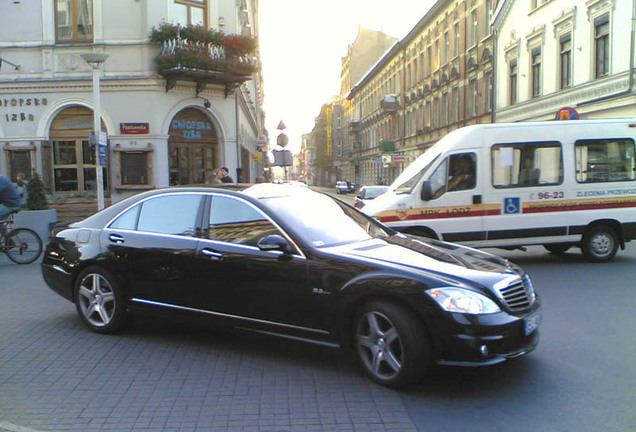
193,148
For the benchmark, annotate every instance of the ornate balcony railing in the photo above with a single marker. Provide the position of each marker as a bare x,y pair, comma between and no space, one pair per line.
180,59
193,53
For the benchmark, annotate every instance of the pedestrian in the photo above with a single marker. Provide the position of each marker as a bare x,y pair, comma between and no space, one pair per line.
9,198
21,185
223,176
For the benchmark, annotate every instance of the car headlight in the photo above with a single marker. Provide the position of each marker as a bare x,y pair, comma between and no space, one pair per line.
463,301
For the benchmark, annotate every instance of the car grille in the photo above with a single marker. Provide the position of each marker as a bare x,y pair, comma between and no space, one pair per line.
519,295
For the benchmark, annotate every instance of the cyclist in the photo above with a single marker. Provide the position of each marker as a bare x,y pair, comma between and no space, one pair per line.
9,197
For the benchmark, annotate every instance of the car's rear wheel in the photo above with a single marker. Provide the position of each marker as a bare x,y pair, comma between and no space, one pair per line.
600,243
391,344
99,300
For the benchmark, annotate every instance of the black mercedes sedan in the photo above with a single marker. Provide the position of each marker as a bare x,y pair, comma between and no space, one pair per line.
287,261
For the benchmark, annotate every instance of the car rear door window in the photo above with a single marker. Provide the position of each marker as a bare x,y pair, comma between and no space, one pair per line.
171,214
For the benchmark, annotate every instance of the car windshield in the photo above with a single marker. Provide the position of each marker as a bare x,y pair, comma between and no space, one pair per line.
321,221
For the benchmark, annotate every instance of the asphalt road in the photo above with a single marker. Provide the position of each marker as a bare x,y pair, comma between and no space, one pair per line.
55,375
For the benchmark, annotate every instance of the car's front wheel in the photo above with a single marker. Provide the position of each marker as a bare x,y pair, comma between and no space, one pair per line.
391,344
99,300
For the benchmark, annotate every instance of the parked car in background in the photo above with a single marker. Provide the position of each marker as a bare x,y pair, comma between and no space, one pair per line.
343,187
287,261
367,193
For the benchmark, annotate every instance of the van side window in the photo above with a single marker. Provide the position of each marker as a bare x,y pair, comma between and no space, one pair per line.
605,160
456,173
527,164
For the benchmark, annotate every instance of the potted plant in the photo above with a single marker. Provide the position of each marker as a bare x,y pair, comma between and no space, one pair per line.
35,213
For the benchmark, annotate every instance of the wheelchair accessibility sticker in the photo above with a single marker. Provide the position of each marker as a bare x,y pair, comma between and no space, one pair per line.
512,205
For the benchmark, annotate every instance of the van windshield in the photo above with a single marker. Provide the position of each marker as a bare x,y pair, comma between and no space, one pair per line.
405,183
412,175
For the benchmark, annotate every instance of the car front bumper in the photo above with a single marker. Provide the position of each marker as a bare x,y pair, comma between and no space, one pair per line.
474,340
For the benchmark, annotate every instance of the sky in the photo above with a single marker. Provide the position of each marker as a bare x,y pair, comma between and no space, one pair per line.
302,43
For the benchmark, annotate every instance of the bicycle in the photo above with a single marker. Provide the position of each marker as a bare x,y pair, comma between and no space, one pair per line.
22,245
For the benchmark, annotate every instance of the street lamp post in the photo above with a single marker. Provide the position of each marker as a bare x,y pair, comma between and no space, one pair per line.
95,61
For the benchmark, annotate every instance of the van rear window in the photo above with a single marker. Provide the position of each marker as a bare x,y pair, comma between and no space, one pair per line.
528,164
605,160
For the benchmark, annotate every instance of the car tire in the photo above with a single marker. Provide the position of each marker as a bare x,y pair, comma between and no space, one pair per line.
100,301
557,248
599,244
391,344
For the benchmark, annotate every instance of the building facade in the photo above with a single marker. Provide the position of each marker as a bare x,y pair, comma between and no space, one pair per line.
368,47
178,101
565,59
436,79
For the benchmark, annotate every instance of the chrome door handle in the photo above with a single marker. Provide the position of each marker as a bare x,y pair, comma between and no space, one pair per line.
212,254
116,238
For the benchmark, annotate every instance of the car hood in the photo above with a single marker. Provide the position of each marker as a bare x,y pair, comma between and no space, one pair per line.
435,258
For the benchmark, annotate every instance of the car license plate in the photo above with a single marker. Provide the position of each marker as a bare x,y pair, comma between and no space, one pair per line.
532,322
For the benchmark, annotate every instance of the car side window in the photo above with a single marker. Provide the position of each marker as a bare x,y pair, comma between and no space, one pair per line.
170,214
235,221
128,219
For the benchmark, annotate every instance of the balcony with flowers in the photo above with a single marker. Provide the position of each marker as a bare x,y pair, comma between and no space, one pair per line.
192,53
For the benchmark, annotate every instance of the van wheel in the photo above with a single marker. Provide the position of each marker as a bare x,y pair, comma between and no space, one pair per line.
391,344
599,243
557,248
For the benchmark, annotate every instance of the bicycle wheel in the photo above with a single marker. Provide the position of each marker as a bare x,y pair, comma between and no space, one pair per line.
23,246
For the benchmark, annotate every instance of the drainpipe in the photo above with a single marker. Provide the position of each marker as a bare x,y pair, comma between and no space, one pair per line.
630,87
238,144
495,80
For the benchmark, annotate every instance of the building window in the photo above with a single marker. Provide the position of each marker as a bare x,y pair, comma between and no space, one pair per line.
536,72
455,104
473,28
471,98
446,48
487,15
189,12
512,81
565,79
429,58
445,109
436,113
74,20
488,91
601,46
436,55
456,41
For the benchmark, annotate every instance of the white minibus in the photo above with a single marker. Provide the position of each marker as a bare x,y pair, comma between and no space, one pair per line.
508,185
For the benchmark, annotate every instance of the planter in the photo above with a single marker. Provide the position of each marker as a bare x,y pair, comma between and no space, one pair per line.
40,221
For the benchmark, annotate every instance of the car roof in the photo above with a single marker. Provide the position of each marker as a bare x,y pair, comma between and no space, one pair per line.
251,192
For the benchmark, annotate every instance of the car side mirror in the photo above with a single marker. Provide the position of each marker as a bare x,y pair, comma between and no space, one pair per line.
274,242
427,191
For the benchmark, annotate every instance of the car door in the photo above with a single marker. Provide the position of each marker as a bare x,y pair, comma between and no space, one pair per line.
240,280
456,208
153,247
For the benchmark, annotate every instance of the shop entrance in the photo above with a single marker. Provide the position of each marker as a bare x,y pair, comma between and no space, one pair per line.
73,159
193,148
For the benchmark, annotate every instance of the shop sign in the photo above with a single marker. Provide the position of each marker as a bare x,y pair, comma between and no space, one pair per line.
13,109
191,129
134,128
399,159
